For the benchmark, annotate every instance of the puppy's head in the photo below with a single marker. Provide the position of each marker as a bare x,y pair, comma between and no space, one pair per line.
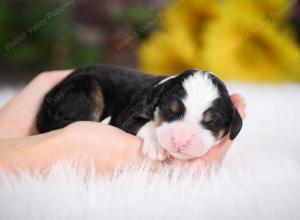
192,112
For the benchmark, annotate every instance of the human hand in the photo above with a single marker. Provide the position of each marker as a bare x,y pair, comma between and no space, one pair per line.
105,145
18,116
101,143
116,145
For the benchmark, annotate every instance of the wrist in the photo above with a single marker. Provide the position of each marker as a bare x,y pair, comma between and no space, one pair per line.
31,153
5,132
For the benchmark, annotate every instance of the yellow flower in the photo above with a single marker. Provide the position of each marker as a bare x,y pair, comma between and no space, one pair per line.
190,15
244,48
275,10
168,52
175,47
237,39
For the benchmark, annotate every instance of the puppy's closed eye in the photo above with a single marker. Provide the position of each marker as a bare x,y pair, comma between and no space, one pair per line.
210,117
212,121
172,110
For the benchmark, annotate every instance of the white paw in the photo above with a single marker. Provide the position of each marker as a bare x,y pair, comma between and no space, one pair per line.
153,150
106,120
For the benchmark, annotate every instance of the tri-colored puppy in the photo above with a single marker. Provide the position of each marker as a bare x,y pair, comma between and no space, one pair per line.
182,115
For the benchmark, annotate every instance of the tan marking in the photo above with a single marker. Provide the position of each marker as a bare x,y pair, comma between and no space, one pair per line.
98,104
174,106
221,134
157,119
207,116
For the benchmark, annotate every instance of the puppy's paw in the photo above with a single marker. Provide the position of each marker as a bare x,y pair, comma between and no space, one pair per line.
153,150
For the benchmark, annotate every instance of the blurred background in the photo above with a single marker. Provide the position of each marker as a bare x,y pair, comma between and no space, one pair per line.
252,44
239,40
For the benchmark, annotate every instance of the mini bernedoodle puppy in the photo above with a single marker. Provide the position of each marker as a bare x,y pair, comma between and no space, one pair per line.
182,115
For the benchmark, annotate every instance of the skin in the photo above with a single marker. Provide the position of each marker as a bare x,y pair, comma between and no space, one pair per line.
105,146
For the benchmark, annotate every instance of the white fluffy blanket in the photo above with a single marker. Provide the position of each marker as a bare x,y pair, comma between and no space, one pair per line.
260,178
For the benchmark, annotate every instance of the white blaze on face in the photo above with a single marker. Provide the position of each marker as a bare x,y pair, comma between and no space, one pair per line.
200,93
187,138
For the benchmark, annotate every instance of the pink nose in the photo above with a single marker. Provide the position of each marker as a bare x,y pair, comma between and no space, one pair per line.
180,141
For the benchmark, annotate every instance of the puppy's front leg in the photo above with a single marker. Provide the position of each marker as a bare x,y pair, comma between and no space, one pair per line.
151,148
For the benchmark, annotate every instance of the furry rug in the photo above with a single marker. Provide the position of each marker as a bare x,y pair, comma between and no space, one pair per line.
260,178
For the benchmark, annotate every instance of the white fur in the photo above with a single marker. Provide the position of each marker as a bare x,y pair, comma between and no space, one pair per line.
259,179
106,120
200,93
151,147
165,80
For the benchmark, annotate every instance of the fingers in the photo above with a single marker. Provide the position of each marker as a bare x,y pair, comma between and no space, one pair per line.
239,102
39,86
28,101
51,78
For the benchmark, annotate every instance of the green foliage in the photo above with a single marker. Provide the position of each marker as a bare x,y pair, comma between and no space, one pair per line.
140,15
5,15
144,21
49,39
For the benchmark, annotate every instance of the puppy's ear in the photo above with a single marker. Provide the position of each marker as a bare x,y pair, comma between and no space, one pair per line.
145,111
236,125
151,100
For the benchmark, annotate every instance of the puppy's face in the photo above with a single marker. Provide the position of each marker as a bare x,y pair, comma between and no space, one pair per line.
192,112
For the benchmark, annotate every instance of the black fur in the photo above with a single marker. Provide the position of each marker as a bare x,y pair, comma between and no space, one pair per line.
124,91
226,114
130,98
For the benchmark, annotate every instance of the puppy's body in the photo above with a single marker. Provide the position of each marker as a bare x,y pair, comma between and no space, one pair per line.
95,93
182,115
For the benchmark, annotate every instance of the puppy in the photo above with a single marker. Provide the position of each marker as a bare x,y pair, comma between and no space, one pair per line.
182,115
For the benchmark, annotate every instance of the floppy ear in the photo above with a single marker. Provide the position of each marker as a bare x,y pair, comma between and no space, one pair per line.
151,100
236,125
145,111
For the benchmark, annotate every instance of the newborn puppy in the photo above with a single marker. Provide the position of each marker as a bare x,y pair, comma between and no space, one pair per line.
182,115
